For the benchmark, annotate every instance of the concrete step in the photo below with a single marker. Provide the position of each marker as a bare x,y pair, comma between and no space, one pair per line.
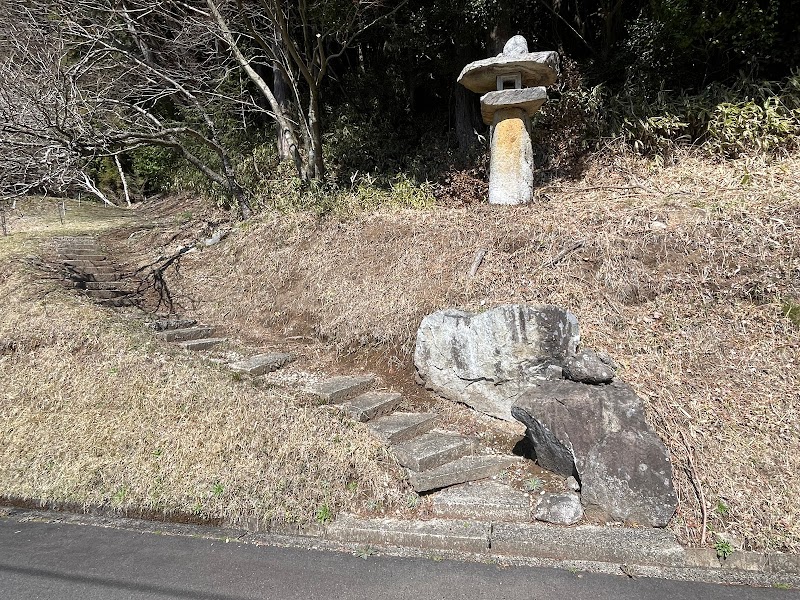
433,449
81,264
121,301
102,277
484,501
79,249
371,405
165,324
103,285
201,344
469,468
66,245
184,335
90,256
97,270
339,389
106,294
261,363
401,426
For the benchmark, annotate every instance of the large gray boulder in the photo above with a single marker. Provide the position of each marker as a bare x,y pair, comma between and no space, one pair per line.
598,434
487,360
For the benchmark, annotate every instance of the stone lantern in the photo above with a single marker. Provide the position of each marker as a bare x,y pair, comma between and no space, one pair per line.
512,84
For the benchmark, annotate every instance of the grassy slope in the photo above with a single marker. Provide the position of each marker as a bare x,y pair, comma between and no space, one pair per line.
94,412
684,278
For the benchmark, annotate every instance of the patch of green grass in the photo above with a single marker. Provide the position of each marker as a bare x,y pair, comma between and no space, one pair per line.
119,496
722,509
782,586
364,552
791,310
217,489
724,549
533,484
324,515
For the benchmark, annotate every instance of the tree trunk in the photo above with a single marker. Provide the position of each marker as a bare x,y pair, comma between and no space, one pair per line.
316,163
282,93
468,122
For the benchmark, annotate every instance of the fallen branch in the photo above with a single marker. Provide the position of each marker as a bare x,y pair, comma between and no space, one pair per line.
561,255
155,276
476,263
698,487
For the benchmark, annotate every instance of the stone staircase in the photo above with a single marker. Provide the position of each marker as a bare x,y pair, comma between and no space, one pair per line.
186,333
453,469
435,458
450,467
86,267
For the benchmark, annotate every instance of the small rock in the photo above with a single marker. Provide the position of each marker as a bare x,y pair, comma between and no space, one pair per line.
554,372
562,509
516,46
587,367
606,359
572,484
658,226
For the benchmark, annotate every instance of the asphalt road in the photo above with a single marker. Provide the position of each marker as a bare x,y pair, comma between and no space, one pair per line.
57,561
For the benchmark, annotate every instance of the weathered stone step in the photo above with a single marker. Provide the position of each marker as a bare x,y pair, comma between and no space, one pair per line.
371,405
106,294
103,285
81,264
120,301
402,426
97,270
164,324
433,449
76,243
484,501
469,468
90,256
184,335
100,276
339,389
79,249
261,363
201,344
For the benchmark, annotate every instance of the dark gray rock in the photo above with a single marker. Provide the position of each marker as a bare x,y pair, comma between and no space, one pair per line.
488,360
562,509
599,435
588,367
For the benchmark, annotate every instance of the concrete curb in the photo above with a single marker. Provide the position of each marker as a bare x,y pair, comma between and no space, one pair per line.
646,550
612,550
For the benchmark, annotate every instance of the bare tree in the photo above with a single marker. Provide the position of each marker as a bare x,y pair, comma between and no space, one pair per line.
118,75
299,39
42,115
86,79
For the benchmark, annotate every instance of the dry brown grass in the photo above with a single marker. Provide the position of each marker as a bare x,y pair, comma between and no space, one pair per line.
682,277
95,413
